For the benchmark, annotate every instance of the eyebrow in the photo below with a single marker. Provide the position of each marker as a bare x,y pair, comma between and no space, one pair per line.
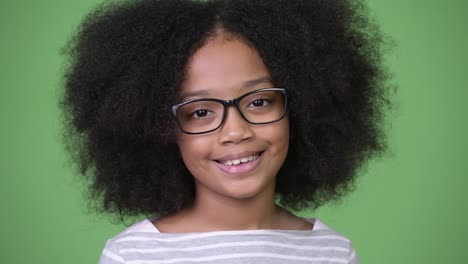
247,85
253,83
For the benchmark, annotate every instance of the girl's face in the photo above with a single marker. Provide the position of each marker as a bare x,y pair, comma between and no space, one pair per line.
226,69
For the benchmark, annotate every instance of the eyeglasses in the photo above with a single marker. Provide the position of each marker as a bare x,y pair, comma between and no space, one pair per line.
205,115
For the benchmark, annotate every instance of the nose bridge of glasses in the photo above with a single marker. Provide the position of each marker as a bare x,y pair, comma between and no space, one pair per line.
234,103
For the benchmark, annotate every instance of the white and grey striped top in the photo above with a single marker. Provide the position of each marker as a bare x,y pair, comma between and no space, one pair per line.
142,243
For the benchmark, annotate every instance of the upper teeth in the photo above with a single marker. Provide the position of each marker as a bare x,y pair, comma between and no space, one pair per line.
239,161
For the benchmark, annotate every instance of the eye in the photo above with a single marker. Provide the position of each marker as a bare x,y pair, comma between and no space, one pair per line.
258,103
200,113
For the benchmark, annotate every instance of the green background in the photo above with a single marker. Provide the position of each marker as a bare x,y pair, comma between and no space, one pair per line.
409,207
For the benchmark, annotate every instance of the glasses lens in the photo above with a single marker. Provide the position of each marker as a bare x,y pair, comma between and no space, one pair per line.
263,106
200,116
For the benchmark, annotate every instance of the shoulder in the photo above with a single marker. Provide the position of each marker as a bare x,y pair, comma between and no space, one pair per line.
136,233
335,238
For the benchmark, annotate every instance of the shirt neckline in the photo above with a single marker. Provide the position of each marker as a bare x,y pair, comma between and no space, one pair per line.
146,225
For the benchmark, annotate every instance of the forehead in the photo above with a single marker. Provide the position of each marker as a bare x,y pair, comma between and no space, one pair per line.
225,67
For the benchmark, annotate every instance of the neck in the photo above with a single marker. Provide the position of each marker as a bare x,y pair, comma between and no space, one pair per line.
216,212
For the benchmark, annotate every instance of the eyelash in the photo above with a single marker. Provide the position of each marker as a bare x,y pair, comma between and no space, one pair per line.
264,101
194,113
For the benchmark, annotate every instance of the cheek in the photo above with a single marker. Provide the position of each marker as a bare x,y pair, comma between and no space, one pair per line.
280,136
193,149
276,136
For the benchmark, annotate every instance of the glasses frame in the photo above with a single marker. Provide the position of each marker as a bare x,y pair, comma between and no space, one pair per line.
235,102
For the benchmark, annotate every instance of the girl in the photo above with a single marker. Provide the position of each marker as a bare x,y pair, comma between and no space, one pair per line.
215,118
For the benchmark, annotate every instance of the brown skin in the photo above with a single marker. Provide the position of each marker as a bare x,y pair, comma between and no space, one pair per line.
225,69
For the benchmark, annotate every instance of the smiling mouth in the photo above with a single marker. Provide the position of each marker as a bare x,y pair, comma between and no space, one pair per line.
236,162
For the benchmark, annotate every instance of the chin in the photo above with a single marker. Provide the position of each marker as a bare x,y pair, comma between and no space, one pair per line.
246,190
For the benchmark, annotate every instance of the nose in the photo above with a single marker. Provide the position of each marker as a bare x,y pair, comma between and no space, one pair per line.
234,129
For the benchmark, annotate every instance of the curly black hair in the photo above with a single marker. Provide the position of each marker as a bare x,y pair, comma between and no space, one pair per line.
128,59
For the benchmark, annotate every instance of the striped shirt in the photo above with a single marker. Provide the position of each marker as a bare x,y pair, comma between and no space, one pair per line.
142,243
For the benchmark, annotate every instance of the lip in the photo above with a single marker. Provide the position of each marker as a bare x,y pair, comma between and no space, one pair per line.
242,168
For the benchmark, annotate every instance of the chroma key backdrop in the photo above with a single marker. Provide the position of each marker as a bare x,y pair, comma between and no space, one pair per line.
410,206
